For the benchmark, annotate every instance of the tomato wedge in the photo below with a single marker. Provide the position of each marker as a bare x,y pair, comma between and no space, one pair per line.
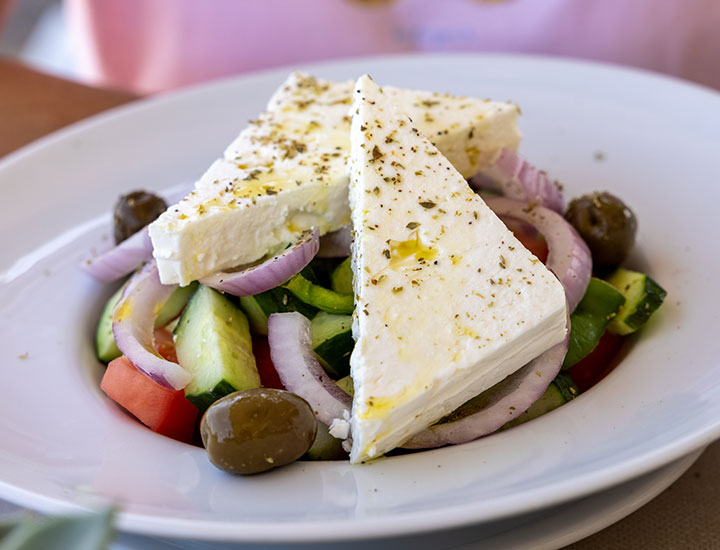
161,409
530,238
598,363
165,345
269,377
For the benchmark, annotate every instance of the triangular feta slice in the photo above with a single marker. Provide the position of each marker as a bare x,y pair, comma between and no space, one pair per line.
448,302
287,172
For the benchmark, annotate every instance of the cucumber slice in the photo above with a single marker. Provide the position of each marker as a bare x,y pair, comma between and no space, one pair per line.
257,317
560,391
212,341
175,304
332,342
346,385
593,314
320,297
643,296
342,278
105,347
276,300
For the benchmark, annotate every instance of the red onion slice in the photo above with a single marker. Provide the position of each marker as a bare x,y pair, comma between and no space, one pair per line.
336,244
569,259
517,179
270,273
292,354
568,256
120,260
497,406
134,323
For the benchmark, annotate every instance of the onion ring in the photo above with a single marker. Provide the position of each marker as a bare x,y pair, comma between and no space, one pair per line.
134,322
496,406
300,372
270,273
120,260
568,256
517,179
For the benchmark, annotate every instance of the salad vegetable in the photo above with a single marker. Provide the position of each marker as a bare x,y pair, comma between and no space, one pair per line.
263,349
642,297
160,408
213,342
599,306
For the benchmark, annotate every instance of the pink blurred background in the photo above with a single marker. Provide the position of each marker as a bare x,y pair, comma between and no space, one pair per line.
152,45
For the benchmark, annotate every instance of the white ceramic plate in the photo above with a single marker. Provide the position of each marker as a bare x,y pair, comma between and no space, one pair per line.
547,529
63,445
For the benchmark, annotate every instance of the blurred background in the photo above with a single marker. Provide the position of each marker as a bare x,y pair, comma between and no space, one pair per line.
146,46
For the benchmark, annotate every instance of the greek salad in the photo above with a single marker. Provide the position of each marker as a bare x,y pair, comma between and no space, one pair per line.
366,271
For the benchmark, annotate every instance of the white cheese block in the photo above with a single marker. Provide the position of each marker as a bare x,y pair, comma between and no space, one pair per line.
287,172
448,302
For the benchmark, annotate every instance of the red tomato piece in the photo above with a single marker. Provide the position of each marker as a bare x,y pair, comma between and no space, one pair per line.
161,409
598,364
530,238
165,345
269,377
535,244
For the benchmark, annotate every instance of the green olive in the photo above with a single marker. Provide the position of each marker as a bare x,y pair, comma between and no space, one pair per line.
252,431
606,224
134,211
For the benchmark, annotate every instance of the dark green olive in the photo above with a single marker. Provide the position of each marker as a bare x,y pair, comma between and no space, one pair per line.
252,431
134,211
606,224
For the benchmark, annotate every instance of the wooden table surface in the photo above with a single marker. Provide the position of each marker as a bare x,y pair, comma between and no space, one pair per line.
685,516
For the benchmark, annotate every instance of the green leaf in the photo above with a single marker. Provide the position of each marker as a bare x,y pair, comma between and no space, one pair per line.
8,524
82,532
591,317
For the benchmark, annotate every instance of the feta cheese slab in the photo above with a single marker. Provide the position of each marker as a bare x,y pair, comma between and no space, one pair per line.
448,302
287,172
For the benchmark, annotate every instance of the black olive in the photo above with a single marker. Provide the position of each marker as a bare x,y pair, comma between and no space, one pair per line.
606,224
252,431
134,211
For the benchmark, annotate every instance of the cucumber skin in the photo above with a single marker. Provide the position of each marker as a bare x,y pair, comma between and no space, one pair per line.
648,299
655,297
203,400
105,347
334,354
332,342
566,386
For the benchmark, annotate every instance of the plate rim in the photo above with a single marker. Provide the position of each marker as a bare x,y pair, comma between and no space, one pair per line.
353,529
